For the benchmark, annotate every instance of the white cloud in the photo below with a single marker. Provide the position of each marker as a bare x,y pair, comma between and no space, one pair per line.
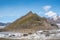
51,14
47,7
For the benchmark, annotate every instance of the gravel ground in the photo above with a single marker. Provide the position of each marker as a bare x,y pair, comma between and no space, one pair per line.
27,39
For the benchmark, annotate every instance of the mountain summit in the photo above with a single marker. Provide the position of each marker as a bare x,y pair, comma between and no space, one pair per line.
29,23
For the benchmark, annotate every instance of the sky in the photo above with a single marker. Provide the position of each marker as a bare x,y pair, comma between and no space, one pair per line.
10,10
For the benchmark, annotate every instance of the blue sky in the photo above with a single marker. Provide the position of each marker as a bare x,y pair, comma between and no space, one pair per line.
10,10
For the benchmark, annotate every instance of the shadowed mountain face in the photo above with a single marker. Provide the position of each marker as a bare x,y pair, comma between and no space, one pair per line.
29,23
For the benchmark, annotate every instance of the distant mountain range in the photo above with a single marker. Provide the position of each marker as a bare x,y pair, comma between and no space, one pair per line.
31,22
54,21
58,20
2,25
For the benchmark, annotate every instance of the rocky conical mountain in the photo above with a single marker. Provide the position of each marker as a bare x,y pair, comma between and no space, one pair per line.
29,23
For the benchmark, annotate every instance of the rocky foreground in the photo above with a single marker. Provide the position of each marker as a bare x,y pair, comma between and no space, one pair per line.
39,35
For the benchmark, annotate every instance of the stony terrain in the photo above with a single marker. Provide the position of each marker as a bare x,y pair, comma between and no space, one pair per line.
39,35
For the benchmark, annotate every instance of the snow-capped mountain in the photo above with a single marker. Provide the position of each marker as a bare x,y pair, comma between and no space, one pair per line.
52,21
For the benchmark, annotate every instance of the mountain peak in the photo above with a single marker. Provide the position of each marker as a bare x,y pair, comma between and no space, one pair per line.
29,13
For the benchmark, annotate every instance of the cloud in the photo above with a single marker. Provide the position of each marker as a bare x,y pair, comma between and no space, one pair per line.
47,7
52,14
